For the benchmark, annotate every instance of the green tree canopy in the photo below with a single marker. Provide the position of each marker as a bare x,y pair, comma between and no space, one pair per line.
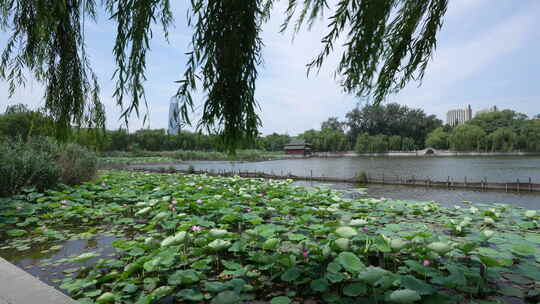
387,44
491,121
438,139
391,119
467,137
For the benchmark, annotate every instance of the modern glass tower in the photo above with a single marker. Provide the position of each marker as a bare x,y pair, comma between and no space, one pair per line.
174,118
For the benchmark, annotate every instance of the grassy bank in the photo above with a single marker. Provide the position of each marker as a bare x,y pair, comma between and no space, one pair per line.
195,238
181,155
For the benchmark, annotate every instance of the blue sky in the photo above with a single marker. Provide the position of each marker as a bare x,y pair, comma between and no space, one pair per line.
487,55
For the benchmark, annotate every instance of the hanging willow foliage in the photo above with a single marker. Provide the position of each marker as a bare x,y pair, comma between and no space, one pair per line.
227,50
388,43
46,37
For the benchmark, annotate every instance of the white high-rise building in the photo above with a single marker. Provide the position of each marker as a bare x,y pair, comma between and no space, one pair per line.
488,110
174,117
459,116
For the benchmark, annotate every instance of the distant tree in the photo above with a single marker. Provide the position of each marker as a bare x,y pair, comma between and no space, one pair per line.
438,139
362,143
467,137
394,142
19,121
408,144
391,119
333,124
530,136
489,122
275,141
502,139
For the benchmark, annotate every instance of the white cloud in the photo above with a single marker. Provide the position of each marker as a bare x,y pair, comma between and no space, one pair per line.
453,65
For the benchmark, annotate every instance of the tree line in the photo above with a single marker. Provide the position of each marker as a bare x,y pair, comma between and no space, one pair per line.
18,121
501,131
374,128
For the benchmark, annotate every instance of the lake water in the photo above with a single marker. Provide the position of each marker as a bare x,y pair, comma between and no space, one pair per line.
500,169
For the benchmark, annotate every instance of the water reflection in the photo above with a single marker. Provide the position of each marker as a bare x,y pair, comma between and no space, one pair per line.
41,262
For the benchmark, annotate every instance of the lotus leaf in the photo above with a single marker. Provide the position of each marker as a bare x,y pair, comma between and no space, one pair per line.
218,233
372,274
105,298
404,296
346,232
342,243
218,245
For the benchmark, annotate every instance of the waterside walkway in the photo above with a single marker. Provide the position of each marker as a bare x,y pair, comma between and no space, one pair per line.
19,287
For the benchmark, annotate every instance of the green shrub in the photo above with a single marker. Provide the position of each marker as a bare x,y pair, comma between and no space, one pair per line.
78,164
42,163
28,164
361,177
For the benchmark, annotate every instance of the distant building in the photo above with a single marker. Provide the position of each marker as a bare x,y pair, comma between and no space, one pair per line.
174,114
297,147
488,110
536,117
459,116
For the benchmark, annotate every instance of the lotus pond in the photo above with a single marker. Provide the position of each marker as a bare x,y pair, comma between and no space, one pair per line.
133,237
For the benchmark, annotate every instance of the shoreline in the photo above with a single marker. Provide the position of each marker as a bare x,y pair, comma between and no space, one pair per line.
420,153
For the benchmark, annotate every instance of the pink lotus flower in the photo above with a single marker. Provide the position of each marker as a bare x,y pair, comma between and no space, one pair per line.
199,201
43,227
366,229
103,184
63,207
173,208
196,228
200,188
382,198
426,263
19,208
63,202
174,202
248,210
305,253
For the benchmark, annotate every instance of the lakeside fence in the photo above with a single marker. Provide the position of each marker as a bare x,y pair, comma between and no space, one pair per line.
449,183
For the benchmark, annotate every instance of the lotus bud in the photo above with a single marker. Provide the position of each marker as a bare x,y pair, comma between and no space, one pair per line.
489,221
342,243
346,232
